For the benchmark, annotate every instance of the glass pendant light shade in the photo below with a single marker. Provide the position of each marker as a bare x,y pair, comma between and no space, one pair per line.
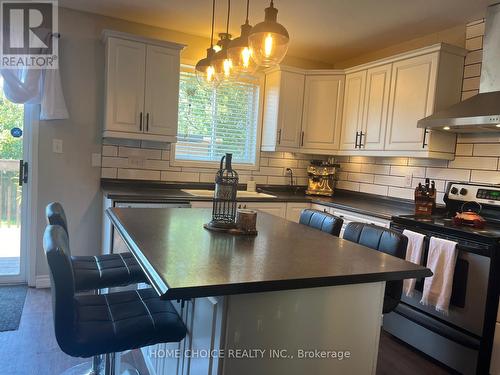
221,61
269,40
205,71
241,54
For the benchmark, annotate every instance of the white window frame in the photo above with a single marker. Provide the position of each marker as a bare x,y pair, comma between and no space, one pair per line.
215,164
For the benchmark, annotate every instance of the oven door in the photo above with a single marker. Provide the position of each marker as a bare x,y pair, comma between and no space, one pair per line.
470,285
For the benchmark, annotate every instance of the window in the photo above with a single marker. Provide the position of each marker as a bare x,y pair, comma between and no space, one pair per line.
213,122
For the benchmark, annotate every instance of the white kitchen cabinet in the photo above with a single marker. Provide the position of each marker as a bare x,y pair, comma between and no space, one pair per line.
276,209
354,97
283,103
293,210
141,88
125,67
302,110
321,118
420,86
413,89
162,91
375,107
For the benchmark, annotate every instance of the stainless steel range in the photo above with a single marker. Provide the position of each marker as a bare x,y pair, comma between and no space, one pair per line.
463,339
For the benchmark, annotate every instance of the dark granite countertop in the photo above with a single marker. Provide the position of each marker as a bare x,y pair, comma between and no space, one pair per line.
184,260
367,204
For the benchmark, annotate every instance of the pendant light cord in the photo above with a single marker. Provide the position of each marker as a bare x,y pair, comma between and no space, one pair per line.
248,7
228,13
213,24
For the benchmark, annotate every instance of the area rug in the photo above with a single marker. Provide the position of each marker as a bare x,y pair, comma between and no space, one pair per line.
11,306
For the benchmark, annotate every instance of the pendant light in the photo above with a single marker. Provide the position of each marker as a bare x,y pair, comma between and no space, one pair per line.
269,40
205,71
221,61
240,52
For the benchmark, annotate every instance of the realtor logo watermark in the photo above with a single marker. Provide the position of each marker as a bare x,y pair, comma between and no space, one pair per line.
29,37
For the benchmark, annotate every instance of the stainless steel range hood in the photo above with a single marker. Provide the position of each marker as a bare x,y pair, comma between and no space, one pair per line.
481,113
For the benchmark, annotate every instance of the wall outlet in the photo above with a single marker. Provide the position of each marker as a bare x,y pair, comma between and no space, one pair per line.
408,180
136,162
96,160
57,146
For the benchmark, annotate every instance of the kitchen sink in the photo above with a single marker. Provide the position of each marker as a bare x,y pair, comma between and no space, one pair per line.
241,193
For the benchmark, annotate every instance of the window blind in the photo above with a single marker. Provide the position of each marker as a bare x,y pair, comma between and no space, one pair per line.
214,122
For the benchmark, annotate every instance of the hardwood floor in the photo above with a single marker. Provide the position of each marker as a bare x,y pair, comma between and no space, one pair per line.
395,357
33,350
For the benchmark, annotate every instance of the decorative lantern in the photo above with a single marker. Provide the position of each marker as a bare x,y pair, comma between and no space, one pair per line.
224,202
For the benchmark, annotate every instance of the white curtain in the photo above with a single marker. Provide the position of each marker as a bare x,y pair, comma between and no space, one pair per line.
36,86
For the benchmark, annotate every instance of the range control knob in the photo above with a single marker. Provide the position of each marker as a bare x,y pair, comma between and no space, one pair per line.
463,191
454,190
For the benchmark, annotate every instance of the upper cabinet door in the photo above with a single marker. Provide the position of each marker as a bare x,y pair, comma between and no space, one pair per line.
413,86
290,109
353,109
162,91
378,83
323,96
126,61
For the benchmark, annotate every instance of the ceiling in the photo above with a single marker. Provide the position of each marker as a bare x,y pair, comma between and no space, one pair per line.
321,30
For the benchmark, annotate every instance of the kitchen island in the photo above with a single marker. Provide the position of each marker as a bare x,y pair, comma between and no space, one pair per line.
290,300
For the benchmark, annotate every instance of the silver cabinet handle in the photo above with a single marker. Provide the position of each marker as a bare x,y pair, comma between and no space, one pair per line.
147,121
302,139
279,136
140,121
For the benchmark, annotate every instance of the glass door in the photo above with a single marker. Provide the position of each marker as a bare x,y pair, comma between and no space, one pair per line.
13,174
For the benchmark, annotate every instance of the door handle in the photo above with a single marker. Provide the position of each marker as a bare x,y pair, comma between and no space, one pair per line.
23,172
279,136
356,141
361,139
302,139
147,121
140,121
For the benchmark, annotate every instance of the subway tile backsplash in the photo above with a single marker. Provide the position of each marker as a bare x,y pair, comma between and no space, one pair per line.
139,162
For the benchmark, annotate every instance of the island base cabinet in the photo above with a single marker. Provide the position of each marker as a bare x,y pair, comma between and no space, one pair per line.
291,332
197,353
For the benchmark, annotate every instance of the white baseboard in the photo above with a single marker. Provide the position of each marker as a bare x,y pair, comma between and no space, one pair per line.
42,281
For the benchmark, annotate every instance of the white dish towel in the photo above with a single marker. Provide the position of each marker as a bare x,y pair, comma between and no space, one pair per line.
441,260
413,254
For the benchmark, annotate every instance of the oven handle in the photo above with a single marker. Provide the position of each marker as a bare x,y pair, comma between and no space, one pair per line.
470,248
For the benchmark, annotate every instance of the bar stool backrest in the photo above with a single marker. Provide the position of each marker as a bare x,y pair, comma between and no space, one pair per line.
56,246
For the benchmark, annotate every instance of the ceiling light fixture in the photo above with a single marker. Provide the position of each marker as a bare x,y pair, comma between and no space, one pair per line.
221,60
205,70
240,52
269,40
446,128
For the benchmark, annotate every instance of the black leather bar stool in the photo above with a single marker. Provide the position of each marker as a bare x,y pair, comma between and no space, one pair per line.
90,325
387,241
98,272
322,221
